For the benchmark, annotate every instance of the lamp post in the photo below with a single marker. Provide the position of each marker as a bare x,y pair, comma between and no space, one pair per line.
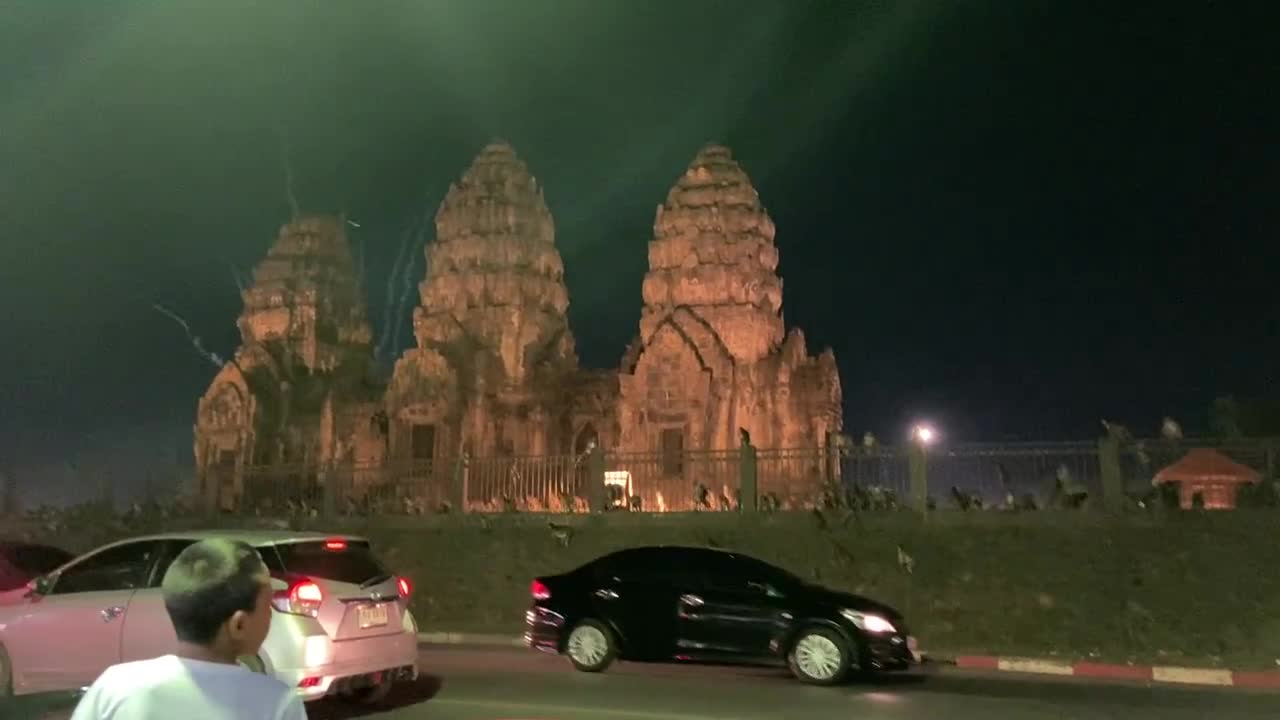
924,434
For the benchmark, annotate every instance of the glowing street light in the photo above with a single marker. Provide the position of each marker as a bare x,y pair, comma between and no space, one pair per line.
924,434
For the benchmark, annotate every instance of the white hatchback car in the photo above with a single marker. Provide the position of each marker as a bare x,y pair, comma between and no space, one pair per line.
341,623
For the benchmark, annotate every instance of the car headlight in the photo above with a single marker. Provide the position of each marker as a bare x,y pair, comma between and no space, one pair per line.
867,622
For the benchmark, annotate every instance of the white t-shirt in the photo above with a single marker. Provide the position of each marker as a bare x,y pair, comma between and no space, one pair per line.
171,687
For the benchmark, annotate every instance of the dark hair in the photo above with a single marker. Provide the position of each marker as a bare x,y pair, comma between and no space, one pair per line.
207,583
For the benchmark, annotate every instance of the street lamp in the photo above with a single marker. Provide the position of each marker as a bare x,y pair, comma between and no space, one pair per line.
924,434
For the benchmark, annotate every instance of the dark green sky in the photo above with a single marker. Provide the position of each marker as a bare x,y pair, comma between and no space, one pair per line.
1017,217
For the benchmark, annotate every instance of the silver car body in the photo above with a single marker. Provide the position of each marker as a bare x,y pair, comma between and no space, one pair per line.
360,633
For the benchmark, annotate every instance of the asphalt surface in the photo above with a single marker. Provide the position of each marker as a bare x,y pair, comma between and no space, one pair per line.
512,684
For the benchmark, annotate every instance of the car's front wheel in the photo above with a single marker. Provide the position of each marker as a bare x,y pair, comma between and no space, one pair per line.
819,656
591,646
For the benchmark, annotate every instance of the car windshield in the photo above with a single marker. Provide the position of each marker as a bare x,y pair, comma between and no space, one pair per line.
345,561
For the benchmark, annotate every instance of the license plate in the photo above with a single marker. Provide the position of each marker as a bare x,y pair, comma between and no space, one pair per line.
371,615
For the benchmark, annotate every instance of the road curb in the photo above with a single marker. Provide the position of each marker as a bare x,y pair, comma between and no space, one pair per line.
1264,679
1261,679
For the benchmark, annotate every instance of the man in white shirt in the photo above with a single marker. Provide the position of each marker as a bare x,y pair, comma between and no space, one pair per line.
218,595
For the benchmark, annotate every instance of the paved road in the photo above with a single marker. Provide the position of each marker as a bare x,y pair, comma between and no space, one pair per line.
504,684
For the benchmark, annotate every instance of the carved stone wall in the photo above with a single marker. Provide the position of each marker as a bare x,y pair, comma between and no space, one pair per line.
494,357
711,357
299,391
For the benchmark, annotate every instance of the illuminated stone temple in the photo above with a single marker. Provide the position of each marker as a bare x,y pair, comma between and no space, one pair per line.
300,391
493,372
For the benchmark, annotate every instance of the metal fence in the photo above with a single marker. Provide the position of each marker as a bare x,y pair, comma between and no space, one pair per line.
997,474
710,480
673,482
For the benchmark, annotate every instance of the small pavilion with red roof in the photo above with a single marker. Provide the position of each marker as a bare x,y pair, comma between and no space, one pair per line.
1209,473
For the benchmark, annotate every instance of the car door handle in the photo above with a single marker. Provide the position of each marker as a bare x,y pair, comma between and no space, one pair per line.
691,600
606,594
111,613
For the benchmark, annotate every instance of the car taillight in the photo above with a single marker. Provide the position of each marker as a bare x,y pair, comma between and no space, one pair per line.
335,544
302,598
404,586
539,590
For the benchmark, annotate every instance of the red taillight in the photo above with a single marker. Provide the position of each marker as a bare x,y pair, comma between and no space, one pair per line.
306,592
335,544
539,590
302,598
404,586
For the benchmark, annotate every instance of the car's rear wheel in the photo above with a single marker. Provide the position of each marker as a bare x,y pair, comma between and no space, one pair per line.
591,646
819,656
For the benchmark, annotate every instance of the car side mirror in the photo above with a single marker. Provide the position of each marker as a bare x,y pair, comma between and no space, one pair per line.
40,586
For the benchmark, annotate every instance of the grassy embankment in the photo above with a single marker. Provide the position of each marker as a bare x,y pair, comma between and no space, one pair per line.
1186,588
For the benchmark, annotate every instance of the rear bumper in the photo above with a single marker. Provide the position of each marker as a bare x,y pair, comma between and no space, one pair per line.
327,667
543,629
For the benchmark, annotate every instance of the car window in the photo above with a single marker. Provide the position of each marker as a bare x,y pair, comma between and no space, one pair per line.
756,573
10,577
175,547
650,566
20,563
122,567
167,555
349,561
732,573
39,559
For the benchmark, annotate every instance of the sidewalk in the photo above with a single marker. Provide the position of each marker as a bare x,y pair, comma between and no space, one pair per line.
1268,679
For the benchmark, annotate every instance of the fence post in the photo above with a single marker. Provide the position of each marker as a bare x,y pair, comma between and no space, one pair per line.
917,467
458,486
595,480
748,488
1112,479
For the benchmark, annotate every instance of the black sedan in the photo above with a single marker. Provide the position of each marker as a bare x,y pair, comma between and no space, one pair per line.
664,604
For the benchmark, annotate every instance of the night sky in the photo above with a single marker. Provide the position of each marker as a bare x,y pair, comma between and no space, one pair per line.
1013,218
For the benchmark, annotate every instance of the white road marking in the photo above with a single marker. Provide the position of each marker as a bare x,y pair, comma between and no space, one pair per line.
575,710
1191,676
1035,666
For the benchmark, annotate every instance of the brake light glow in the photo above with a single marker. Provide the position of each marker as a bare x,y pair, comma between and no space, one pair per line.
335,544
404,586
302,598
539,590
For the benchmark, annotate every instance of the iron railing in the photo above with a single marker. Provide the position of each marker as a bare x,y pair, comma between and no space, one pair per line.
708,480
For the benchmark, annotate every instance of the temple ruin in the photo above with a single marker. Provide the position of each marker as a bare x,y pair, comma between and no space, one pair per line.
300,392
494,377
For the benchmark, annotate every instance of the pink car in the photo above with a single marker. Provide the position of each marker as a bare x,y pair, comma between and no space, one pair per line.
341,623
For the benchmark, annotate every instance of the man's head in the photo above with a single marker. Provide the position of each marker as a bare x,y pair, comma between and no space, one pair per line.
218,594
